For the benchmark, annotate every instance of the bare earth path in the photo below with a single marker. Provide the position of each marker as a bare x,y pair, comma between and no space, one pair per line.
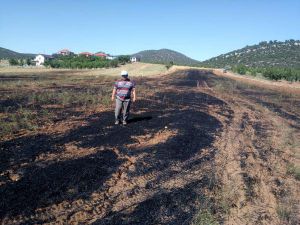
196,145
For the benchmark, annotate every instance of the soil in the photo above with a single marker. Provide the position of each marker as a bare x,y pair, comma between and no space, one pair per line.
186,148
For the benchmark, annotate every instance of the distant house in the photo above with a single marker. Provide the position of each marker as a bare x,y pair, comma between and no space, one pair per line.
65,52
39,60
103,55
134,59
86,54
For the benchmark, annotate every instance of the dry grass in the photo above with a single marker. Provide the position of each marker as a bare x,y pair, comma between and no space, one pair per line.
24,109
283,86
32,97
134,69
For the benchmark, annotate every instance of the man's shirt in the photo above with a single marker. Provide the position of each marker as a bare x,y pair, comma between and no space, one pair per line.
124,88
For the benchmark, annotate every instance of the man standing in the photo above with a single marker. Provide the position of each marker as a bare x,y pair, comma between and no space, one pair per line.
122,90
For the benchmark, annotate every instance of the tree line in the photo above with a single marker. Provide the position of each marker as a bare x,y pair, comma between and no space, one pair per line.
273,73
76,62
81,61
20,62
270,56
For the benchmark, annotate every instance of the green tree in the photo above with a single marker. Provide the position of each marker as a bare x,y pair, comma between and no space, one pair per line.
28,61
124,59
13,62
241,69
169,65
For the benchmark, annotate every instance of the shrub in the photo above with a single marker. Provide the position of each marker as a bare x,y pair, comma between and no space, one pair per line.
124,59
241,69
114,63
28,61
21,62
282,73
272,73
13,62
169,65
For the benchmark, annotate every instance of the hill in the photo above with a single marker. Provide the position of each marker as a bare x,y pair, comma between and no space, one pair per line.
8,54
165,56
264,54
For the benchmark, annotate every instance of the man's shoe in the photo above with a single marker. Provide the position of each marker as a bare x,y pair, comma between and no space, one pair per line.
117,122
124,122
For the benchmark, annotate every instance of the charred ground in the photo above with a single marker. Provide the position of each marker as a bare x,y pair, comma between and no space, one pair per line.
198,148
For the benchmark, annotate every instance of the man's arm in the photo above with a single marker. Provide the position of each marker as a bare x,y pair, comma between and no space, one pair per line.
113,94
133,95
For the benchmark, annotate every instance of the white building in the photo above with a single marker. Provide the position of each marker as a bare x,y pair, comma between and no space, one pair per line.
40,59
134,59
110,57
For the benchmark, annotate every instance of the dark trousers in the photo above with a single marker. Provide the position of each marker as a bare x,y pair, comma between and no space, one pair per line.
123,106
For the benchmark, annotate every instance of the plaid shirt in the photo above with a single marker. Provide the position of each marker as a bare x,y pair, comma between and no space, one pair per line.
124,88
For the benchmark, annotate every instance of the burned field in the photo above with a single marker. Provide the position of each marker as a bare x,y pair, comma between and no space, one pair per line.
198,147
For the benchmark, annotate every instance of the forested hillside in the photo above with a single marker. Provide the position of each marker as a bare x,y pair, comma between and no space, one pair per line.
265,54
165,56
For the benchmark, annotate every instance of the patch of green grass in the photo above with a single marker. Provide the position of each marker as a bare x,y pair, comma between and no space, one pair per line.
284,213
106,100
27,110
22,119
226,197
293,170
204,217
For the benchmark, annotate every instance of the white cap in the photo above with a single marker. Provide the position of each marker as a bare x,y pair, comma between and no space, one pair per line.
124,73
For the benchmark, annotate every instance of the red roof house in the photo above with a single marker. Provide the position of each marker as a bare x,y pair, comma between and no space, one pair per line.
64,52
86,54
101,55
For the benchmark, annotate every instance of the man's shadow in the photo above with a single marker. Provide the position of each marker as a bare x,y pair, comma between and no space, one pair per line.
136,119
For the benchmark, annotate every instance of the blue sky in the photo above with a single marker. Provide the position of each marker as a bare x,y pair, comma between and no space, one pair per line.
199,29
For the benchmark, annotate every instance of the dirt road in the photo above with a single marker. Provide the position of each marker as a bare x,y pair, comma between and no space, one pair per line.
201,147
